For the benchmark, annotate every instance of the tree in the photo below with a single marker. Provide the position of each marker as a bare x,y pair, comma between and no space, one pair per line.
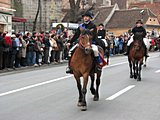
74,10
38,10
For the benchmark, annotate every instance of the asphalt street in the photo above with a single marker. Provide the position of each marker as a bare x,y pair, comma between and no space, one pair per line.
51,94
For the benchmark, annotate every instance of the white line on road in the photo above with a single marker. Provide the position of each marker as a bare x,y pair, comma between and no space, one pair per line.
120,92
61,78
121,63
158,71
46,82
35,85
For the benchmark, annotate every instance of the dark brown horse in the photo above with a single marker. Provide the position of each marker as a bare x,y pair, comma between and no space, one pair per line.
135,57
82,64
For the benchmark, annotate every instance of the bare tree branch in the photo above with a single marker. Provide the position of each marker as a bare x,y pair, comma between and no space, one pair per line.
38,10
75,11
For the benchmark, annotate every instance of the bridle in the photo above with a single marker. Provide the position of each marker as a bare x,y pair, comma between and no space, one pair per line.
84,46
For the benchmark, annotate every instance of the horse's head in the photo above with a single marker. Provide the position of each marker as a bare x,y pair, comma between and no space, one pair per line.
138,36
138,40
85,41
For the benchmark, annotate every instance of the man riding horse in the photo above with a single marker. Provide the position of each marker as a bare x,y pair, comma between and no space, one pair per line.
89,26
138,29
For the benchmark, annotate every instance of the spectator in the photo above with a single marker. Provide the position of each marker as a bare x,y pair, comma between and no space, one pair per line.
13,51
121,42
31,54
19,50
47,47
54,46
7,47
24,49
1,50
38,46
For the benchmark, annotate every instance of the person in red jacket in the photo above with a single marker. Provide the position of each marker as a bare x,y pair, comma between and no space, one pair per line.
7,47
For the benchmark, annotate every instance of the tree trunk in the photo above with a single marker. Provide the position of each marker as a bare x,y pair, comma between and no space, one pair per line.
35,21
75,7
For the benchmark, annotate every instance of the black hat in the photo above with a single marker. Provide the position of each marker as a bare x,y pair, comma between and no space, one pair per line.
139,21
89,14
101,24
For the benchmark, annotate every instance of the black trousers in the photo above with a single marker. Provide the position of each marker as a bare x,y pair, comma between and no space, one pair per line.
5,59
46,55
1,59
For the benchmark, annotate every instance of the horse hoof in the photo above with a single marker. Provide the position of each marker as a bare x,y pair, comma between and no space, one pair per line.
93,91
83,108
79,104
145,65
95,99
135,77
139,79
131,76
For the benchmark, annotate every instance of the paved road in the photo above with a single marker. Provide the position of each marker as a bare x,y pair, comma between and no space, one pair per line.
50,94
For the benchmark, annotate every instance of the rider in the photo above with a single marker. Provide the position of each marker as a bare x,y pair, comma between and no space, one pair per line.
137,29
101,31
88,25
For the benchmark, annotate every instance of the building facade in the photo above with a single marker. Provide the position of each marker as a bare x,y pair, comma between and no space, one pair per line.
5,16
50,11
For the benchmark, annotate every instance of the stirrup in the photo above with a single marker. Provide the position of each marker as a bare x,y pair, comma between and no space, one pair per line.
68,70
98,68
146,55
125,53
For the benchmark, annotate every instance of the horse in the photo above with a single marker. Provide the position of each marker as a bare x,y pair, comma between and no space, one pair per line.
136,56
82,64
147,43
104,44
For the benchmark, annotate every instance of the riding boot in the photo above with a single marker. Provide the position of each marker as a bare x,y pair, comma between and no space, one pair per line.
146,52
127,52
98,64
68,69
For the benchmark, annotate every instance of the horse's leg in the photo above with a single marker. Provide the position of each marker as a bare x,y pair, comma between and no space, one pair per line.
139,71
92,84
130,65
84,91
108,58
96,96
134,69
79,90
145,60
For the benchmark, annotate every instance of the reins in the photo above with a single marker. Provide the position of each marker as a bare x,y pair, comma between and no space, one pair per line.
81,45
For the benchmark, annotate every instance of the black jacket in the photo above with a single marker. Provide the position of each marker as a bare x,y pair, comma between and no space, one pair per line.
1,43
137,30
89,26
102,33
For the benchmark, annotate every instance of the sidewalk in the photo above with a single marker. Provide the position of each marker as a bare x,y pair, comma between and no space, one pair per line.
21,69
44,66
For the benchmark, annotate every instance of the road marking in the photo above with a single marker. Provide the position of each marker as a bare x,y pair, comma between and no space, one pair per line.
158,71
35,85
47,82
120,92
68,76
115,64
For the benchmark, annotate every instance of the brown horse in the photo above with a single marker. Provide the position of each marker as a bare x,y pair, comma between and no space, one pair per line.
82,64
135,57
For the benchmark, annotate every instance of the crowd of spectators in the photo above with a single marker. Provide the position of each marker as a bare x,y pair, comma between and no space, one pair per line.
35,49
117,44
32,49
